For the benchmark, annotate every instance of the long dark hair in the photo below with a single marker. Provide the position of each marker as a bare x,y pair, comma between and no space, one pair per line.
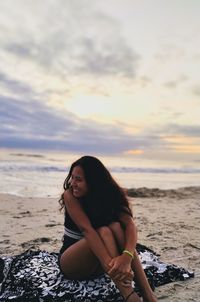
105,199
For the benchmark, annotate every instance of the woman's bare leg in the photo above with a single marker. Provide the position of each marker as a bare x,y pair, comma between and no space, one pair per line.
108,239
78,261
140,276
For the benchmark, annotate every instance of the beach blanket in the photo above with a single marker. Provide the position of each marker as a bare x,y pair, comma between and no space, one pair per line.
34,276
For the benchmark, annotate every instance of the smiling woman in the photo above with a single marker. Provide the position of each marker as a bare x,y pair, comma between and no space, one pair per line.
100,234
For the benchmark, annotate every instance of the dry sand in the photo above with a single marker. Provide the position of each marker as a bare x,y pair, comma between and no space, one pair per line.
167,221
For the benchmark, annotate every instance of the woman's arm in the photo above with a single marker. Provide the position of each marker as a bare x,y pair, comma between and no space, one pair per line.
130,232
78,215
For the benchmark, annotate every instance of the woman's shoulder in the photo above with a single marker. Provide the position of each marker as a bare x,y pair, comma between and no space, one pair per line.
66,195
68,221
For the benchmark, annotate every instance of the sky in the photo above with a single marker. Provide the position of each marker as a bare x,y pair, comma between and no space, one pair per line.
116,78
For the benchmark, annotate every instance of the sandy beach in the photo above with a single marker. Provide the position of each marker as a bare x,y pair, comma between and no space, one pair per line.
168,222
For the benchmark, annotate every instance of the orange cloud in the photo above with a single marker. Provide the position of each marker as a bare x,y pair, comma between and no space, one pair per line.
187,149
134,152
184,144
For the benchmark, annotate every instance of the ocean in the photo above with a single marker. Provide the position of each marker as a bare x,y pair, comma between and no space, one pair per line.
39,174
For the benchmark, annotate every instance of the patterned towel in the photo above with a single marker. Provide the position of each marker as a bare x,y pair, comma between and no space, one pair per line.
34,276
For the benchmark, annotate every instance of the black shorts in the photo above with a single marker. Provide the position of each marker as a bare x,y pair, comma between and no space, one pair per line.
67,242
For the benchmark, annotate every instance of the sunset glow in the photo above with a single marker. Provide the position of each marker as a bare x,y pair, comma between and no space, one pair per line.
117,78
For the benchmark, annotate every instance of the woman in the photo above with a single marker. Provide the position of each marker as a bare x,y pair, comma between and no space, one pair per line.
100,234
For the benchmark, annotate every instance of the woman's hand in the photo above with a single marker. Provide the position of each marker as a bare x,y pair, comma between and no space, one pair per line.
120,268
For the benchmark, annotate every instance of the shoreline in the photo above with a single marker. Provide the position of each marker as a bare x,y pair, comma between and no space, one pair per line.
167,223
135,192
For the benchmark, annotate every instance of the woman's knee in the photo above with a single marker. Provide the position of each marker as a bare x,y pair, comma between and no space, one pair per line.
118,233
104,231
115,227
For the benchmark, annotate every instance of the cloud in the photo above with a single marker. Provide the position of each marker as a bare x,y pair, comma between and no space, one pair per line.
34,125
196,90
185,130
69,39
15,86
175,83
171,84
176,134
144,81
170,52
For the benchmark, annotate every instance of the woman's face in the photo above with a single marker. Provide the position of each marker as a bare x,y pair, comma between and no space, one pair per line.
78,182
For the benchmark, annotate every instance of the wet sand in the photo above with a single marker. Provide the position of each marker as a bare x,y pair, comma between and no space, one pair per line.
168,222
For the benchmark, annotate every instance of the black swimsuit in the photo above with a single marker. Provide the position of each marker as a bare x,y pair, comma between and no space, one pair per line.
72,233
